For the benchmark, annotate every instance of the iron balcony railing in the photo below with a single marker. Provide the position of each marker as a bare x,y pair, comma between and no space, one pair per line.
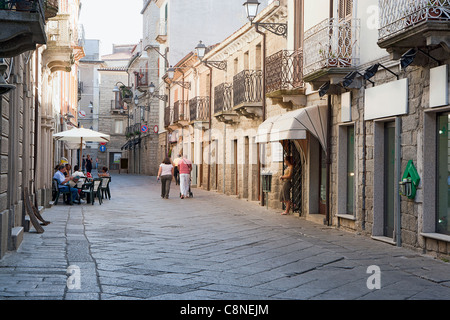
247,87
33,6
181,110
223,97
284,70
331,43
199,109
397,16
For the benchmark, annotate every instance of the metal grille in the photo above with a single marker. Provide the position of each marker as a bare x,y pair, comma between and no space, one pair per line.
331,43
223,97
296,191
181,110
284,70
247,87
397,15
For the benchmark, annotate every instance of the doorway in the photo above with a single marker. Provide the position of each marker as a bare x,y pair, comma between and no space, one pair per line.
290,149
389,179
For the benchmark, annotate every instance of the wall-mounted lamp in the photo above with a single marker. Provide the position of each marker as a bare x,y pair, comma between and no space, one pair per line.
251,7
201,51
171,75
4,87
152,89
349,78
323,90
372,71
408,57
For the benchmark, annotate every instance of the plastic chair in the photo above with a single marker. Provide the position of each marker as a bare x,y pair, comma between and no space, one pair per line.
105,187
57,192
96,190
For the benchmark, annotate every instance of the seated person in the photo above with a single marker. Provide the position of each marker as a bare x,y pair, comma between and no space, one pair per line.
63,181
77,172
105,173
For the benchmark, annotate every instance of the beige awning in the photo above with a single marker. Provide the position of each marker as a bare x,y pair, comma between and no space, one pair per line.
263,134
294,125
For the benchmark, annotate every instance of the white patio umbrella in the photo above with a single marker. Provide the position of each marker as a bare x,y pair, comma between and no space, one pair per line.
80,136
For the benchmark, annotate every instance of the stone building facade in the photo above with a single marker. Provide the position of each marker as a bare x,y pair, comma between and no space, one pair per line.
362,111
40,69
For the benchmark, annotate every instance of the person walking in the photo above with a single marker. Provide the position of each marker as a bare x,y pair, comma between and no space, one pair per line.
88,164
285,194
185,167
176,171
165,173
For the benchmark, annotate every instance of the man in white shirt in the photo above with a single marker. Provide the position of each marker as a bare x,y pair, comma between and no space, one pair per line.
62,180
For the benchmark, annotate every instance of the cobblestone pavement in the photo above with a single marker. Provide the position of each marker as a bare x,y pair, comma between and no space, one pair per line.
211,247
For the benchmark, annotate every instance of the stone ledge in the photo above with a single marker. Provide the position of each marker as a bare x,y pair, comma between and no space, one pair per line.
16,237
436,236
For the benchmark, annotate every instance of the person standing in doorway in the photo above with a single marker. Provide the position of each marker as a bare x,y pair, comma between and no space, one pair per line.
165,173
88,164
185,168
285,194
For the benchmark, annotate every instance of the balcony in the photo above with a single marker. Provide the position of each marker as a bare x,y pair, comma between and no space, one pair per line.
284,79
199,110
248,93
331,51
161,31
22,26
181,113
119,108
406,24
59,55
223,104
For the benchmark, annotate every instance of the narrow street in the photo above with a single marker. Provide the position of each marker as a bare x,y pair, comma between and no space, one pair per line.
139,246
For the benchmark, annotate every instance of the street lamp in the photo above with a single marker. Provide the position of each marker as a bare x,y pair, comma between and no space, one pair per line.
251,6
171,75
201,51
152,89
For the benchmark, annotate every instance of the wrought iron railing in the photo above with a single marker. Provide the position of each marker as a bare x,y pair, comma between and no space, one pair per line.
398,15
284,70
331,43
199,109
247,87
223,97
34,6
181,110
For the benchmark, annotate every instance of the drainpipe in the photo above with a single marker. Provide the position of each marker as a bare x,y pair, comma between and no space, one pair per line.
364,173
328,209
210,127
264,108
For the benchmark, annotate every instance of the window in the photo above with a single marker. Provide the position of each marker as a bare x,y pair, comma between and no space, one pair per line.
118,126
443,187
345,9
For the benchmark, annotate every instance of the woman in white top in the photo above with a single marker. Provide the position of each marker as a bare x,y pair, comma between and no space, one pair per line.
166,174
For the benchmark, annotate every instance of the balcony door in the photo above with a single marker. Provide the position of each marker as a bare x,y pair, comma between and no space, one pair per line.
345,36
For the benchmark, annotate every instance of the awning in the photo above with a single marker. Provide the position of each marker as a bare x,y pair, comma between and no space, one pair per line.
263,134
294,125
